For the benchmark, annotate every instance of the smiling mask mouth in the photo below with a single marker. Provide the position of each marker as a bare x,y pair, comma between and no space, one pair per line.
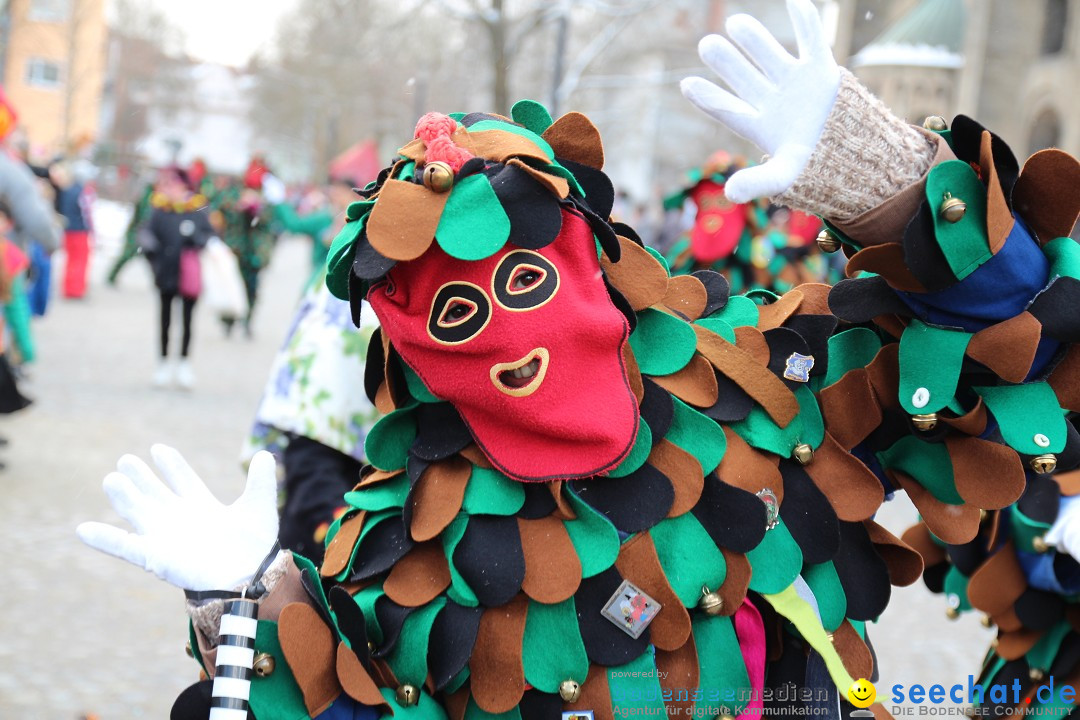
523,377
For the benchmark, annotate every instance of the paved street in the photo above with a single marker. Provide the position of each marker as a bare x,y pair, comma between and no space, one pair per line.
83,633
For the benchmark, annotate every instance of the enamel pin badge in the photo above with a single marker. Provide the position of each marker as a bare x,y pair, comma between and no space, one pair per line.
798,366
631,609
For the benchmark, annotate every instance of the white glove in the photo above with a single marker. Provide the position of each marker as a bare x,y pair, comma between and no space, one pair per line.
186,536
781,107
273,189
1064,534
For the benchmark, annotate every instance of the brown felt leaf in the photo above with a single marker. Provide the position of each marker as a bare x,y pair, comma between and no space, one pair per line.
384,403
776,313
457,703
918,537
556,185
755,379
355,680
1008,348
1069,482
1045,193
753,341
853,651
419,577
1065,379
888,261
639,563
633,374
574,137
815,300
340,550
904,563
686,296
552,567
595,695
1009,621
973,422
437,497
563,510
853,491
884,372
733,589
988,475
638,275
678,670
955,524
402,223
310,649
476,456
998,583
497,677
999,219
500,146
1015,645
748,468
373,476
684,472
694,384
850,408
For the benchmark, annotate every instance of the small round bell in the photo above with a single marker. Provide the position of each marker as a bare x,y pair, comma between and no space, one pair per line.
803,454
983,515
1039,544
1044,464
438,176
570,691
1036,674
952,209
408,695
987,621
828,242
935,123
187,649
264,664
924,422
371,648
710,603
952,613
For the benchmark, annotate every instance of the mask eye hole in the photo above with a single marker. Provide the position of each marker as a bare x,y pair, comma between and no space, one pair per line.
524,278
456,311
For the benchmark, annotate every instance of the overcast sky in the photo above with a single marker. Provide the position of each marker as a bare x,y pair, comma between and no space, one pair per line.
226,31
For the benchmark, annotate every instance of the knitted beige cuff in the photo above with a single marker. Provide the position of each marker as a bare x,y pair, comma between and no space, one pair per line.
865,156
207,615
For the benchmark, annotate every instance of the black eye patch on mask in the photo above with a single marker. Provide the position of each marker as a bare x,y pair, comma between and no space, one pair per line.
524,280
458,313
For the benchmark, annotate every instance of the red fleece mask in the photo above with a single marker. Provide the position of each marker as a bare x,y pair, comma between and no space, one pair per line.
527,345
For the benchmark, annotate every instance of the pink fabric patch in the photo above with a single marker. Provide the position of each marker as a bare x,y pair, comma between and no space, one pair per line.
751,633
435,129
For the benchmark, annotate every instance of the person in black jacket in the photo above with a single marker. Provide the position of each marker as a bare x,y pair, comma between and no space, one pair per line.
179,227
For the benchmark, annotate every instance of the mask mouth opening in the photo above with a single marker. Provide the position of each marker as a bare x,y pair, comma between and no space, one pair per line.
522,377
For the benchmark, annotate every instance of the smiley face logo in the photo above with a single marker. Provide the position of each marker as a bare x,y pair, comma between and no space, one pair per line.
862,694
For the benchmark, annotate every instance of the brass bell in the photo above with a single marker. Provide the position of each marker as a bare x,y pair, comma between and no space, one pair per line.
710,603
187,649
408,695
1036,674
987,621
831,637
1044,464
371,647
935,123
924,422
264,664
952,613
803,454
1039,544
570,691
952,209
828,242
438,176
983,515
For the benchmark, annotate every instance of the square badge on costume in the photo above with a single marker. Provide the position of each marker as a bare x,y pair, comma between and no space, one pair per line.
577,715
631,609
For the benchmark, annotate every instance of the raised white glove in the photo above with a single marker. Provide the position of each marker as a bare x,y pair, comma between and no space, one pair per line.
780,105
273,189
1064,534
184,535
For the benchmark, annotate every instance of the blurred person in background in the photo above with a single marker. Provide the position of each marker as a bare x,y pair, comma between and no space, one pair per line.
71,205
178,228
139,216
13,263
321,223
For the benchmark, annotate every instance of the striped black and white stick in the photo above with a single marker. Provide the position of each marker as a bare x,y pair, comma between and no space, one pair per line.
235,659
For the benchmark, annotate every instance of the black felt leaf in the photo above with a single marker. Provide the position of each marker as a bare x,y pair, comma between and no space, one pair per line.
374,366
310,583
657,409
380,550
350,620
539,502
808,515
815,331
632,503
733,517
717,288
390,617
860,300
862,573
605,644
1041,499
934,577
1039,609
620,302
1014,674
535,217
1055,308
536,705
441,432
923,254
605,235
966,139
783,343
969,556
450,645
732,403
368,264
490,559
599,192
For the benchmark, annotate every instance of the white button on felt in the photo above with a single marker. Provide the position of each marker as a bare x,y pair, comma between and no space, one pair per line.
1041,440
920,398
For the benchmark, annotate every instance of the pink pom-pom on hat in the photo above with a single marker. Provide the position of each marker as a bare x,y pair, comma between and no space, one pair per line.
435,129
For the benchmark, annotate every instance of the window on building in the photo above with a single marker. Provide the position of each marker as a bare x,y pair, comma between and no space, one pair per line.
42,73
1045,131
1053,36
49,10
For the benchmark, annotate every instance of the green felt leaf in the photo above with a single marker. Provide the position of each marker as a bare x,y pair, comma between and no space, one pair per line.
489,492
758,429
635,687
638,454
366,598
1046,650
850,349
956,587
930,360
965,243
594,537
552,649
276,695
416,386
408,659
383,496
459,590
333,530
659,258
662,343
831,600
1025,530
739,311
456,116
193,642
339,258
1024,411
776,561
718,325
724,682
698,435
761,296
1064,256
358,209
926,463
302,563
387,445
458,680
473,712
534,116
689,557
473,225
425,709
407,172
